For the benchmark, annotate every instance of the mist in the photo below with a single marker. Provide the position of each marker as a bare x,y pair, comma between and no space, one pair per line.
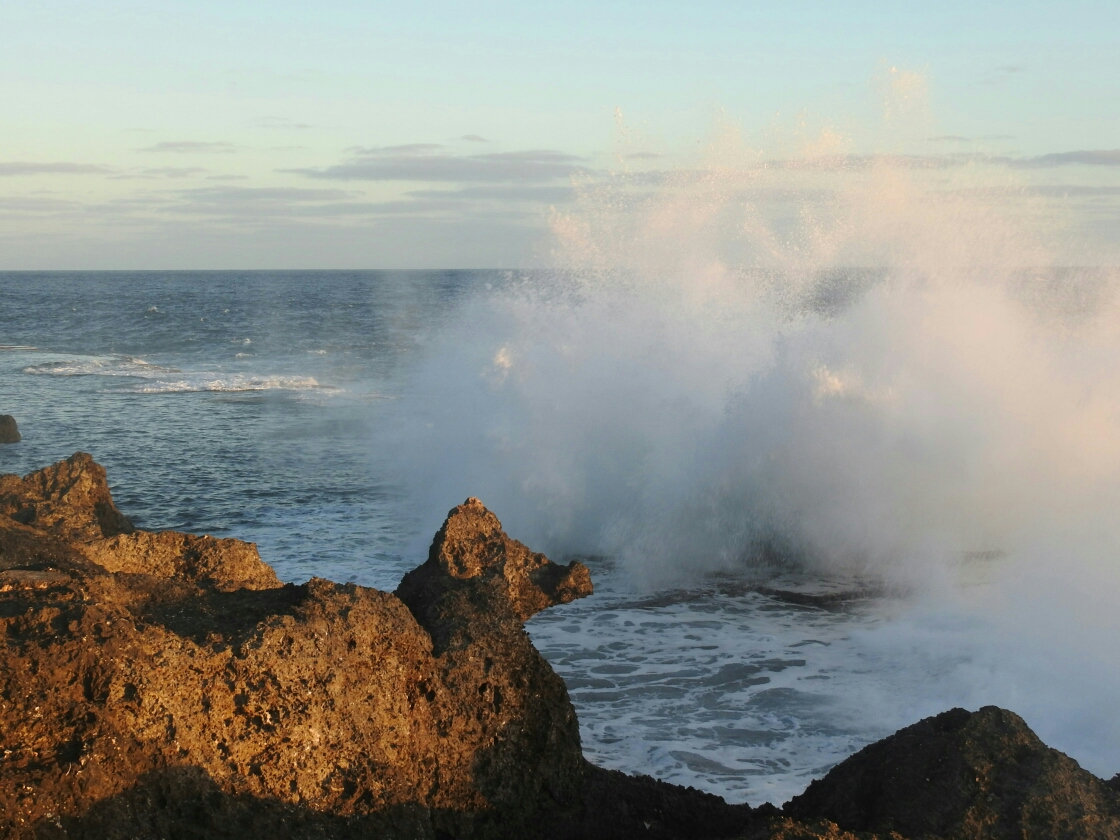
891,378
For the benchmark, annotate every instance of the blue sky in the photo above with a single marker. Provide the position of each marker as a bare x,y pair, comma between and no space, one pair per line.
238,134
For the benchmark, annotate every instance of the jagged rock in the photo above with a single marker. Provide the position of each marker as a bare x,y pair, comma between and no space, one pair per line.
69,500
139,667
964,774
472,597
471,552
9,431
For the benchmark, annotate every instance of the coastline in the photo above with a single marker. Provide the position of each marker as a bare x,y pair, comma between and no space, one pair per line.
163,684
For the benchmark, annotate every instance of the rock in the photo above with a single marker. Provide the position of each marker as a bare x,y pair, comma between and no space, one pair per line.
226,564
69,500
1114,783
471,552
472,597
155,683
9,432
962,774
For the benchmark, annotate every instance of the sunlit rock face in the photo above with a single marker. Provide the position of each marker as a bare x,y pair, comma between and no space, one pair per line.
164,666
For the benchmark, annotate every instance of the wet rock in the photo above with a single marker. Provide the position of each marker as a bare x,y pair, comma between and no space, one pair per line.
962,774
9,432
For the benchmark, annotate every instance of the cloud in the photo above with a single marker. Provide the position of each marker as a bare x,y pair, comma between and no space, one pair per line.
544,194
190,147
28,168
407,149
424,162
1001,74
162,172
24,205
1100,157
949,138
227,197
642,156
855,162
474,138
1075,190
1096,157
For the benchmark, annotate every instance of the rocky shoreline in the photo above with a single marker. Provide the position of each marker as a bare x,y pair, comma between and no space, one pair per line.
169,685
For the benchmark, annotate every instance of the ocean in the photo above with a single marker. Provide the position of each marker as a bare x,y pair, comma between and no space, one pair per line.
771,591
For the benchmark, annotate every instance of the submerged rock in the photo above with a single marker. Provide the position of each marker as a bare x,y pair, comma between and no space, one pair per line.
168,685
9,432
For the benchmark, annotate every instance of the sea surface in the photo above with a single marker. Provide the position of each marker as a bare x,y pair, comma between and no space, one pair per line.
261,405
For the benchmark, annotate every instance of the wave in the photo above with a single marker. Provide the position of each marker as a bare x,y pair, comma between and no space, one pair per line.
142,377
96,366
236,383
705,381
879,372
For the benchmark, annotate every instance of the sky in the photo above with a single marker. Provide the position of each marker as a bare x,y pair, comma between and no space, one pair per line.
168,135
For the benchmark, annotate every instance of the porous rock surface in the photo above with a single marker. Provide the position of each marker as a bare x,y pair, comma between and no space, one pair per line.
168,685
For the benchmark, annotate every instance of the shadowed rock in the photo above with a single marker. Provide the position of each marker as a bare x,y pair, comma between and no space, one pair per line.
963,774
9,432
471,553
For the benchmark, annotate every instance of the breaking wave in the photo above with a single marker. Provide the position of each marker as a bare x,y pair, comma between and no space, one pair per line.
142,377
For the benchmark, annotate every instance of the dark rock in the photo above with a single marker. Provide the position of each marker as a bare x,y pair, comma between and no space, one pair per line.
9,432
963,774
1114,783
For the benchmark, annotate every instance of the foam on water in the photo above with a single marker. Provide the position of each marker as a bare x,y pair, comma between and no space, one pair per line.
158,379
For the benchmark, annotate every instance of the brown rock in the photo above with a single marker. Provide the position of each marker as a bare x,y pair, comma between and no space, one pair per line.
963,774
69,500
470,549
227,564
155,683
9,432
